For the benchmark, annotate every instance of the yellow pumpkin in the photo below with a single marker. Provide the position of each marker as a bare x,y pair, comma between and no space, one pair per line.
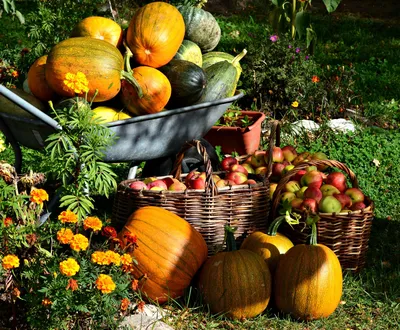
108,114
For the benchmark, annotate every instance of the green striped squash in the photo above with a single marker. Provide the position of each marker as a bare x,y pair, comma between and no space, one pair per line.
189,51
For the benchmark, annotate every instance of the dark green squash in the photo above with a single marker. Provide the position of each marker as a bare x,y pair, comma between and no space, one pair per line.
189,51
188,82
201,27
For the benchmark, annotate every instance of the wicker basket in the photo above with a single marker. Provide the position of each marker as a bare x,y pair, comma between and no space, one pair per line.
243,206
346,233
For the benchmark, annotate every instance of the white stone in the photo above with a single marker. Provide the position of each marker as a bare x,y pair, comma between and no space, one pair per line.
341,125
304,125
142,322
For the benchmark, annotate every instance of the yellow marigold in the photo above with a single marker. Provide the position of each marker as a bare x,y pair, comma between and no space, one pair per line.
2,145
38,196
295,104
113,257
93,223
100,258
124,304
68,216
10,261
46,302
126,259
79,242
77,83
105,283
69,267
64,235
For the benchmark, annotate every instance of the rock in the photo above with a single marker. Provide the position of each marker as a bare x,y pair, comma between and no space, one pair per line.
304,125
341,125
142,322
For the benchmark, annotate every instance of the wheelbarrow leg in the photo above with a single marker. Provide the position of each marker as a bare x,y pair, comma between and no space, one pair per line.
14,144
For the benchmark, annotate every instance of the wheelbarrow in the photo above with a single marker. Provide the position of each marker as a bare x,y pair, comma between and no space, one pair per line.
142,138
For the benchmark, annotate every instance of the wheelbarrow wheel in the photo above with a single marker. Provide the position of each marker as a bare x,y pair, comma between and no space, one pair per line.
191,161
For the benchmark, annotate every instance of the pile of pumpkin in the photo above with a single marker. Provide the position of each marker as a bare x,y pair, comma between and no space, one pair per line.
163,60
304,281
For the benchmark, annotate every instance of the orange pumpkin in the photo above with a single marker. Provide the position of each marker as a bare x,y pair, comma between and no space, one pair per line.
169,252
37,81
100,28
155,34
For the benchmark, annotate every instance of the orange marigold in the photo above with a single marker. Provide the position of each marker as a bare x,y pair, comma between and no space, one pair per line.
113,257
79,242
93,223
105,283
100,258
64,235
135,284
72,284
124,304
68,216
131,238
46,302
7,221
38,196
10,261
315,79
69,267
126,259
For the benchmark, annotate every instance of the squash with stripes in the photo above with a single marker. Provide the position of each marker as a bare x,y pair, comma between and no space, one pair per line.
169,252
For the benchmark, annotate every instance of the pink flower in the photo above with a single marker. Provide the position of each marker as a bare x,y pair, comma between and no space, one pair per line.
274,38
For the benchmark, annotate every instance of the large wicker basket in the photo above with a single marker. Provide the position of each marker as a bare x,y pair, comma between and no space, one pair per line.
346,233
243,206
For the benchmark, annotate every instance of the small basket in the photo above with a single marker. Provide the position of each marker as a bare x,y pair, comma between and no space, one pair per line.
243,206
346,233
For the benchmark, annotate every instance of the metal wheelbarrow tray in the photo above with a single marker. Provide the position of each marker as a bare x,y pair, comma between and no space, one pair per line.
138,139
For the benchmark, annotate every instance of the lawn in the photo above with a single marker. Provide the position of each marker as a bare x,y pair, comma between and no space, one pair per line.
371,48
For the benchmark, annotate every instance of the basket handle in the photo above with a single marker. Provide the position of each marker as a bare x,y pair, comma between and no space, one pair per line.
274,140
302,166
176,172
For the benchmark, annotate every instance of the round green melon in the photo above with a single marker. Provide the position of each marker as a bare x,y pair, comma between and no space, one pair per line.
189,51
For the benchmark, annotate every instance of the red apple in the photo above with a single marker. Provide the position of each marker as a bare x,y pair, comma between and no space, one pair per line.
292,186
157,185
228,162
262,170
277,169
329,190
177,186
296,203
277,155
289,153
249,168
238,168
337,179
314,193
329,204
355,194
197,182
298,175
344,200
189,176
168,181
138,185
237,177
309,205
303,157
250,182
311,179
258,158
358,206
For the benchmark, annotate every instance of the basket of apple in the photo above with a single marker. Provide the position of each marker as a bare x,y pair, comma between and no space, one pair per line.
327,189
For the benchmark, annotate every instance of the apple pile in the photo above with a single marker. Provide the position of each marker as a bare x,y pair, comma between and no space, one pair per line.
314,191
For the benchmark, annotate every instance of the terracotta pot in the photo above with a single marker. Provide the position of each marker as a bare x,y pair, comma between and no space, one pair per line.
241,140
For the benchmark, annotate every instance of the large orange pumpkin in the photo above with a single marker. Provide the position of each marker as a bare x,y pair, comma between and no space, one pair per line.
37,81
155,34
101,62
308,281
169,253
100,28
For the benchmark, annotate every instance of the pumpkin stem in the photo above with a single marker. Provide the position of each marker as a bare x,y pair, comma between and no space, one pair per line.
313,239
201,3
230,238
290,218
127,74
239,56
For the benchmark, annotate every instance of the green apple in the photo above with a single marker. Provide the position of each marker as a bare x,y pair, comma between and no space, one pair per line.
329,204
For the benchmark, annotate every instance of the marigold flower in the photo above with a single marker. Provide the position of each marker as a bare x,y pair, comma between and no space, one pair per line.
315,79
79,242
2,143
15,74
105,283
130,238
93,223
126,259
46,302
135,284
109,232
7,222
274,38
99,257
76,83
113,257
10,261
68,217
124,304
69,267
295,104
72,284
64,235
140,306
38,196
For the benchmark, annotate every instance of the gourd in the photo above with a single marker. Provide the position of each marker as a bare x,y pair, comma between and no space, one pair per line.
37,83
222,79
169,252
271,246
189,51
235,282
201,27
188,82
155,34
108,114
308,280
100,28
101,62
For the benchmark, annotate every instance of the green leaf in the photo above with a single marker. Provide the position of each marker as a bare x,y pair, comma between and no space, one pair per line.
331,5
20,17
302,23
